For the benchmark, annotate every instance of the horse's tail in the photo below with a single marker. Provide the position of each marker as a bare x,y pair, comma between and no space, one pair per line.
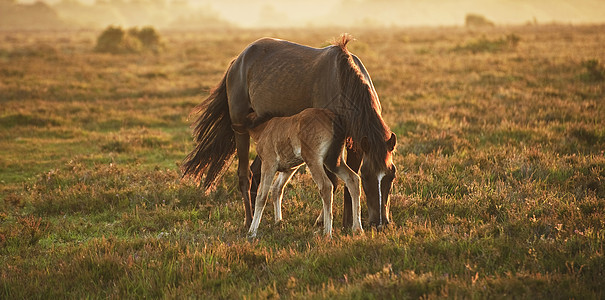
214,138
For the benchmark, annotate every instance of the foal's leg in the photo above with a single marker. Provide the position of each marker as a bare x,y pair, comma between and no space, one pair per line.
354,162
277,191
267,174
334,180
325,190
352,182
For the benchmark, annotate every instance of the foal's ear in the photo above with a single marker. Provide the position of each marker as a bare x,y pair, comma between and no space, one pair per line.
251,117
391,142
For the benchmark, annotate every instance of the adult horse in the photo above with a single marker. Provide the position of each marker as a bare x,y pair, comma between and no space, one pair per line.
281,78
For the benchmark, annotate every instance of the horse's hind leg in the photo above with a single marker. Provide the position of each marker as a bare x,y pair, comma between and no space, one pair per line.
239,107
277,191
255,181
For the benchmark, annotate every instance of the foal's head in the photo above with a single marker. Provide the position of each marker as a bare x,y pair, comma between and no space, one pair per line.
377,175
253,125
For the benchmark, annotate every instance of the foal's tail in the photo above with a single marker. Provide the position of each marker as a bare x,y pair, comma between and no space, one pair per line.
214,138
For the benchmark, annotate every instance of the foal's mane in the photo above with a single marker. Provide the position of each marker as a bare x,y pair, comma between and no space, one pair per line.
362,114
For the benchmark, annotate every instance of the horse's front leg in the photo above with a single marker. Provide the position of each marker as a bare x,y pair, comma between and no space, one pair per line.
242,143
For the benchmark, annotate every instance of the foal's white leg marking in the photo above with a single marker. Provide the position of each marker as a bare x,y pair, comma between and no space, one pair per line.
380,176
261,198
328,213
278,191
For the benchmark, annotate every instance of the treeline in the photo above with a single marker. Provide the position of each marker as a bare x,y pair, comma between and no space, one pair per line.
74,14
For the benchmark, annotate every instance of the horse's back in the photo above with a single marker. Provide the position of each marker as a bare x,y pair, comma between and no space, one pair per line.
278,77
274,45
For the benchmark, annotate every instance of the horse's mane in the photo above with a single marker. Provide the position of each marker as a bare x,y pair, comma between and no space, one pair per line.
362,113
342,41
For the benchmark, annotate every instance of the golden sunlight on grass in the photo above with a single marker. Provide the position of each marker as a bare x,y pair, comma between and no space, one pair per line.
499,192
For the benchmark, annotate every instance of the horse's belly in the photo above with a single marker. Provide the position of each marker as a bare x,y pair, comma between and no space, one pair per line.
283,88
280,106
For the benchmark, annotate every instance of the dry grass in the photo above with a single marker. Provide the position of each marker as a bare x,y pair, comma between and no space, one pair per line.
500,189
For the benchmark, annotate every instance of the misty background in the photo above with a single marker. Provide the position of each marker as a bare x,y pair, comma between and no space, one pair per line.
203,14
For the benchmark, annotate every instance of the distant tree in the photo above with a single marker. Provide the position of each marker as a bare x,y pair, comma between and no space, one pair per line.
475,20
148,36
116,40
38,15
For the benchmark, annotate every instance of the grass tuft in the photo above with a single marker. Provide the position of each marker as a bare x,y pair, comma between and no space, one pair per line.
483,44
593,70
14,120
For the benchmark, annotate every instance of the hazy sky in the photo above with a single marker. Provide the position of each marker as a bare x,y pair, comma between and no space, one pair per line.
395,12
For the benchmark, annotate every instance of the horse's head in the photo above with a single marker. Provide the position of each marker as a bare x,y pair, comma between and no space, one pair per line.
377,175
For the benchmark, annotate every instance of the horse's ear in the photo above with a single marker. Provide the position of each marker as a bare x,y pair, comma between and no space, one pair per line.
365,145
391,142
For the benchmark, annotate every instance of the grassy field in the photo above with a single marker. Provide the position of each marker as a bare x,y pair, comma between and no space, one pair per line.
500,190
